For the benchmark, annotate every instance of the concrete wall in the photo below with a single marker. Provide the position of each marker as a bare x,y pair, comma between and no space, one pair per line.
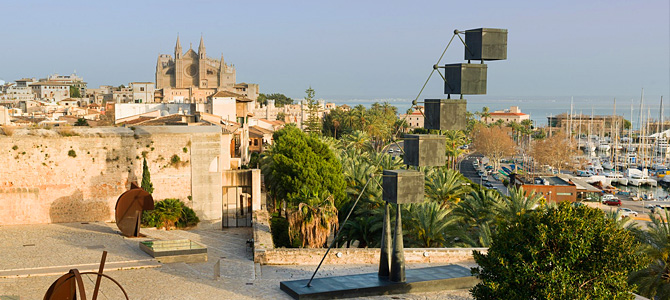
49,178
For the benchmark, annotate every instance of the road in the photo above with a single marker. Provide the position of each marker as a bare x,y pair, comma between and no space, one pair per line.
642,218
466,168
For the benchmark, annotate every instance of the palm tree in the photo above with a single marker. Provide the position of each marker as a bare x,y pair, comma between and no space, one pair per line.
485,114
654,281
455,139
315,219
446,187
358,140
518,203
476,215
428,224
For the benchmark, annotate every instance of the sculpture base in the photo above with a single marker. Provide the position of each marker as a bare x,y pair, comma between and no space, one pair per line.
432,279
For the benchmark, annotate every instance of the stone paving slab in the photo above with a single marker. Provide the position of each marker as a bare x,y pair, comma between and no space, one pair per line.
60,270
70,244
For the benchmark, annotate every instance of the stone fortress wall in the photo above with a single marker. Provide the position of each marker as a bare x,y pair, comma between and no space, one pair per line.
50,177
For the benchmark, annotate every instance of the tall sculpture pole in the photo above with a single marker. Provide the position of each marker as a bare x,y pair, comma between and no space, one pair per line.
385,256
398,256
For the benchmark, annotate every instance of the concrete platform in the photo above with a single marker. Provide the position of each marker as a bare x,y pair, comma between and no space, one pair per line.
431,279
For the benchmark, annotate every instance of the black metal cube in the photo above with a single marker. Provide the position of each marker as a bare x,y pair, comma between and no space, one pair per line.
465,79
486,44
403,186
445,114
425,150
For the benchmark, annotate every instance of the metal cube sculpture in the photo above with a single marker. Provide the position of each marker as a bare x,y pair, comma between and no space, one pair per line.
445,114
403,186
425,150
465,79
486,44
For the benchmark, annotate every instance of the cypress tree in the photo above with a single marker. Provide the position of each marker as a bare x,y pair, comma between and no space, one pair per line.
146,178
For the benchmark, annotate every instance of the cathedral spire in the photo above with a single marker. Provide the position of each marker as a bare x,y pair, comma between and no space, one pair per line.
201,49
177,48
222,65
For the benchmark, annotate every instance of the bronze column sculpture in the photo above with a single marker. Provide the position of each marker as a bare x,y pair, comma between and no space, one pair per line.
385,256
398,256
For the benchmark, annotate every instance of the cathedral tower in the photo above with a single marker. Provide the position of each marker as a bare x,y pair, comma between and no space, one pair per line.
179,64
202,65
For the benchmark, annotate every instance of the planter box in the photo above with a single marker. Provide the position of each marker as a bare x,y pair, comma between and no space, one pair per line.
465,79
445,114
403,186
425,150
486,44
186,251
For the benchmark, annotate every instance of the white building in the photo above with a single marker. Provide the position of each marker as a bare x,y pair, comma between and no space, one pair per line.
513,114
49,90
143,92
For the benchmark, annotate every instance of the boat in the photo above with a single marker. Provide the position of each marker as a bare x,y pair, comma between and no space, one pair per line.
637,178
616,177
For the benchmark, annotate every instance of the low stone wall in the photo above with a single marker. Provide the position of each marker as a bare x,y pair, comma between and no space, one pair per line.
266,254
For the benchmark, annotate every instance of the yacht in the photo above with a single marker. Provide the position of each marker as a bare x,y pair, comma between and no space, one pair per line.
637,178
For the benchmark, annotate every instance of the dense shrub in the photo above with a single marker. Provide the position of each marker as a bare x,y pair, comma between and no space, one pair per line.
168,214
280,238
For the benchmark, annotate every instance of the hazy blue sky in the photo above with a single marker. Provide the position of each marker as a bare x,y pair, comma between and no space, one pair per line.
350,49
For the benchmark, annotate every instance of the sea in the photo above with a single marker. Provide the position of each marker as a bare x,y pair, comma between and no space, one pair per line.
540,108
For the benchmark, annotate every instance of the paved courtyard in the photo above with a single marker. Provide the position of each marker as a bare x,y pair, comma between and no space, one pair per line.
27,250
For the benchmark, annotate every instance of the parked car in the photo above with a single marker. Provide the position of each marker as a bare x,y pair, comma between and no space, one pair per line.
627,212
609,197
488,184
390,150
485,178
613,202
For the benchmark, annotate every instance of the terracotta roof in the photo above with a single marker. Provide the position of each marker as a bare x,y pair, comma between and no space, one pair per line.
166,120
136,121
237,97
49,83
260,129
507,114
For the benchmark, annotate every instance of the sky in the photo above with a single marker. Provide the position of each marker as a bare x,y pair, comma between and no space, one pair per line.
351,49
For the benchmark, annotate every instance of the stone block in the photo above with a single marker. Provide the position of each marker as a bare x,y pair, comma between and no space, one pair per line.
403,186
465,79
425,150
445,114
486,44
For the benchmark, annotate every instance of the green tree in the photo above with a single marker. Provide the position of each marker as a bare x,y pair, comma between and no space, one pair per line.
653,281
314,220
81,122
146,178
281,116
280,99
626,124
558,253
428,224
313,122
446,187
74,92
296,160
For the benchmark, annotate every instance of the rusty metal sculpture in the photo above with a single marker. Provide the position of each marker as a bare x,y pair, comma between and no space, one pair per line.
66,286
129,209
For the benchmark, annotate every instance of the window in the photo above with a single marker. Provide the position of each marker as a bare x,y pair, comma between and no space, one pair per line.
141,89
255,142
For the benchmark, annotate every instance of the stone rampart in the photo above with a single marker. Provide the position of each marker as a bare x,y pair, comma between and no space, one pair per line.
266,254
78,174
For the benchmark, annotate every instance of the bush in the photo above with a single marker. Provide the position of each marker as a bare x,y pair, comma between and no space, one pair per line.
558,253
71,153
175,159
279,228
188,218
169,214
